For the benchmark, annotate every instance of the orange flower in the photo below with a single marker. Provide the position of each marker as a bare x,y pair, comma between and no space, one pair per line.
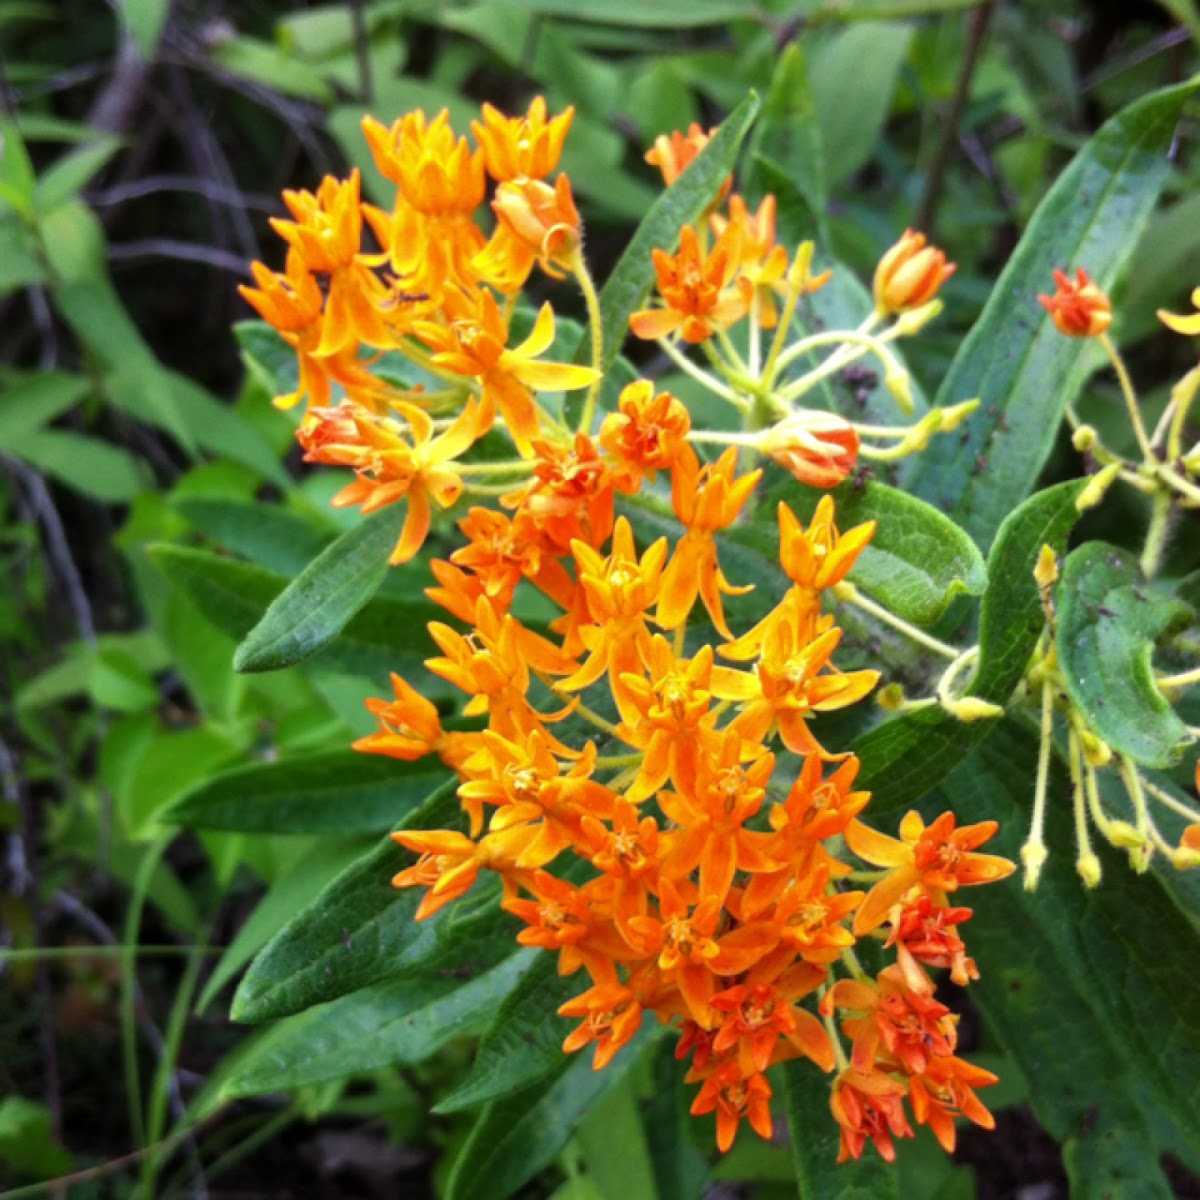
611,1015
326,237
937,858
450,863
525,147
1078,309
910,274
1189,325
818,448
923,932
868,1105
735,1096
702,293
389,468
764,261
409,728
646,435
673,153
819,557
946,1090
705,500
537,223
474,343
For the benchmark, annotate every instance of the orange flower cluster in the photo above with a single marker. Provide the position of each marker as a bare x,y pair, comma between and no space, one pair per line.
427,292
637,733
712,904
711,283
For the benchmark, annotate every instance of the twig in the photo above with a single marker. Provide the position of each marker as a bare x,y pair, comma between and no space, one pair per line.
362,52
976,32
155,247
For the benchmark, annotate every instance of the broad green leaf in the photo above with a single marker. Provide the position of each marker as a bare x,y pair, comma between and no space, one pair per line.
26,1142
265,534
393,1024
316,606
785,151
1022,368
853,80
31,399
875,10
267,357
360,931
234,596
918,560
616,1120
20,264
338,791
904,757
516,1137
814,1141
64,179
1108,621
327,858
272,67
146,20
1091,992
629,284
524,1042
17,178
85,464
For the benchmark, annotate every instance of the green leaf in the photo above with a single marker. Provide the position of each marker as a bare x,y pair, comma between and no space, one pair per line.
679,1167
629,284
360,931
316,606
615,1120
853,80
516,1137
814,1141
26,1142
1108,621
339,791
17,178
524,1043
267,357
273,67
785,152
1090,992
285,897
1022,368
64,179
662,14
875,10
85,464
904,757
394,1024
267,535
234,596
146,20
32,399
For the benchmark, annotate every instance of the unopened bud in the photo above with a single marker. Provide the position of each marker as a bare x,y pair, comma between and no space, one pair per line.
1078,308
956,414
890,698
972,708
1096,751
1088,866
1033,858
1140,856
1123,835
910,274
913,321
1184,858
1084,438
1046,571
897,382
1097,486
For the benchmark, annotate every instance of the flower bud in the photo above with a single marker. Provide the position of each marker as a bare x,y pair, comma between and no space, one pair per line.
1033,858
1046,571
1079,308
1096,751
956,414
544,218
1088,866
1096,487
818,448
910,274
969,709
1123,835
1084,438
897,382
890,698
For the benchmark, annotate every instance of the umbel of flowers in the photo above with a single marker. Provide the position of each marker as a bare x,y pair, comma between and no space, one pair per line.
647,784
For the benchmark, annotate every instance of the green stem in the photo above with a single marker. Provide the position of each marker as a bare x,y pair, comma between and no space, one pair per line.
1135,414
596,327
708,380
848,592
1156,535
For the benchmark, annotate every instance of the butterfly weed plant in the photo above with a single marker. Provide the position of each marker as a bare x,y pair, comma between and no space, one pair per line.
651,606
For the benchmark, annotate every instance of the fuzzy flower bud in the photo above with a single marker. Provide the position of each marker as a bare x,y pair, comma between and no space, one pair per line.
1079,308
910,274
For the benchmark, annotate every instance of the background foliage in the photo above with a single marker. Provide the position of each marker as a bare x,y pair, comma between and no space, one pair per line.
166,817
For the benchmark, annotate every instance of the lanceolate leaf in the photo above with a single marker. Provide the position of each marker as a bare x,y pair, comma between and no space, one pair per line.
524,1042
360,931
1091,992
907,755
339,791
318,603
1108,621
386,634
1022,368
814,1139
391,1024
516,1137
265,534
629,284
